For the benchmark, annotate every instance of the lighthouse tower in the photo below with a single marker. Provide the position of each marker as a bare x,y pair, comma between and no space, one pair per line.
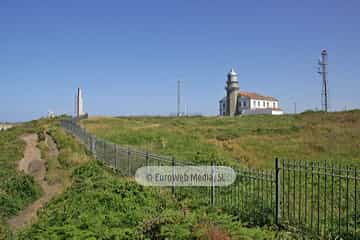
232,91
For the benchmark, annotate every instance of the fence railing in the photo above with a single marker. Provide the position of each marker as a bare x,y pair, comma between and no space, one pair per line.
321,196
316,197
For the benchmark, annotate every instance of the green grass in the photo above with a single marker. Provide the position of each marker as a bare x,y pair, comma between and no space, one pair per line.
17,190
101,205
247,140
71,154
53,166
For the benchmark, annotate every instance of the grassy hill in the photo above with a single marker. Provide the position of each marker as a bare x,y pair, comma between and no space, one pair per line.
17,190
246,140
100,204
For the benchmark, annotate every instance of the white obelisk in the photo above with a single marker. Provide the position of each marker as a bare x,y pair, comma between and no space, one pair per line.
79,103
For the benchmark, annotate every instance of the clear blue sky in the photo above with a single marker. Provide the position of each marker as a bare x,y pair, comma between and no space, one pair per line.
127,55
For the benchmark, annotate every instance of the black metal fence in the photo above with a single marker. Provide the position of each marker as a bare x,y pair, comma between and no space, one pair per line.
316,197
320,196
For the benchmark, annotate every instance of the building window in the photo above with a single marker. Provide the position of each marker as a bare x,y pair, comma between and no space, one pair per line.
244,104
273,104
263,103
268,105
258,103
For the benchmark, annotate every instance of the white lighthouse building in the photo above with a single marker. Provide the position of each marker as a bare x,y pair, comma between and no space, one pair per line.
238,102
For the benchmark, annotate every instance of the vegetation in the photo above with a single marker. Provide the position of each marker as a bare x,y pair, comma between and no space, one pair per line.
245,140
53,167
100,205
70,154
17,190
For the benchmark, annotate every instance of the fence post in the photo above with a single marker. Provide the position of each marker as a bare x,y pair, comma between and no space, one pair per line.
128,158
147,162
277,191
93,144
212,197
173,172
147,159
114,157
104,150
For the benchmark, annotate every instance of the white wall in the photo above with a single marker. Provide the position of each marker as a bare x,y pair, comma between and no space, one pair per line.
5,126
263,104
252,104
277,112
267,111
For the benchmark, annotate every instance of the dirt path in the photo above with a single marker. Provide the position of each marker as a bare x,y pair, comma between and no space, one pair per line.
33,164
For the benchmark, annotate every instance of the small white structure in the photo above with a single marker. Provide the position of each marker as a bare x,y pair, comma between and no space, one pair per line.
51,114
239,102
79,104
5,126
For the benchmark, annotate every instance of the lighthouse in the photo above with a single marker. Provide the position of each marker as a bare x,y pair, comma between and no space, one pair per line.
238,102
232,92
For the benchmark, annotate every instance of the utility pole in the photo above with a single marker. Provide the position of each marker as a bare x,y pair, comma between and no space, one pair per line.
323,62
75,106
294,107
178,98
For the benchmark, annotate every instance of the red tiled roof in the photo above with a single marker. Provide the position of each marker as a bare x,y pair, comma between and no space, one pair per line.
275,109
253,95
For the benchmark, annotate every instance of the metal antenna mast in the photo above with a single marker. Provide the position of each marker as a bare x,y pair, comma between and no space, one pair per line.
75,107
323,62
